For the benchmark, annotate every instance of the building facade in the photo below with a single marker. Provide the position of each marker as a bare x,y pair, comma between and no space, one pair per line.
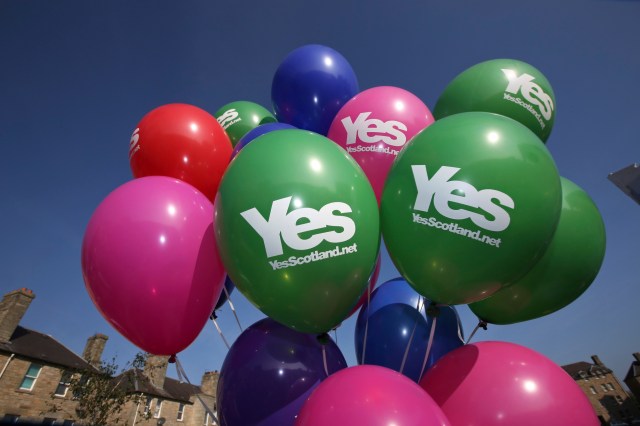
36,371
607,396
632,379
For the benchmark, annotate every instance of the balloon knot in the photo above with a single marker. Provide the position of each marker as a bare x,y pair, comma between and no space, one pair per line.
483,325
323,338
213,315
172,359
433,310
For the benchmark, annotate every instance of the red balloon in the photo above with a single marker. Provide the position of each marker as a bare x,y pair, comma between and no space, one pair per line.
491,383
370,395
184,142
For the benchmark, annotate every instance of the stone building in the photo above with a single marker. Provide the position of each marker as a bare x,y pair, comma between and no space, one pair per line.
35,371
606,394
632,379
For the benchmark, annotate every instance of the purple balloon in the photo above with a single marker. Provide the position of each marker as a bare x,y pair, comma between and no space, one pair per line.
258,131
269,373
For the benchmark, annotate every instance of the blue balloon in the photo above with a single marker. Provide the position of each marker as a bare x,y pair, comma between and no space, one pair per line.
228,286
258,131
391,317
310,86
269,373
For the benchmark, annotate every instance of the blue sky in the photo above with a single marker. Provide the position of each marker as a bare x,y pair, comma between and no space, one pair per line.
76,77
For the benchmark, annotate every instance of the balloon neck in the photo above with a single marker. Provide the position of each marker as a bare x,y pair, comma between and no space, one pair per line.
483,325
172,359
433,310
323,338
213,315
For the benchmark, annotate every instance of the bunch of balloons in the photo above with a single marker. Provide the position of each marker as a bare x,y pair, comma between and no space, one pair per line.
290,207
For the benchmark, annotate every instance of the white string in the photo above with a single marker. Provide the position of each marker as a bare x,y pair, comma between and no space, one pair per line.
415,324
232,308
220,332
482,324
426,354
181,374
324,359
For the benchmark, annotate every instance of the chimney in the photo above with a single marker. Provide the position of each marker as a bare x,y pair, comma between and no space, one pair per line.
155,368
12,308
636,355
209,382
93,349
596,360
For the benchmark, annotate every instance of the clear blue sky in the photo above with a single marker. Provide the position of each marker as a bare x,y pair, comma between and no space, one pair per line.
77,76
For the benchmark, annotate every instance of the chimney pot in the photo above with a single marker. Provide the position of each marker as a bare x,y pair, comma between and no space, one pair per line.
596,360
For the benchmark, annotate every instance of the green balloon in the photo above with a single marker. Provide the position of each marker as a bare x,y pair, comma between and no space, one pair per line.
469,205
566,270
297,228
238,118
503,86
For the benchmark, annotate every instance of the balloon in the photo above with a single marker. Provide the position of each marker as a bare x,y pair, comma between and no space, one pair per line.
150,262
238,118
566,270
224,295
258,131
181,141
270,371
374,126
469,206
503,86
392,321
298,230
370,395
310,86
490,383
373,279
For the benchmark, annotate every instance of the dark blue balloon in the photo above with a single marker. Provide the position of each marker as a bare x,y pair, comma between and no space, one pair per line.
258,131
270,371
392,315
310,86
228,286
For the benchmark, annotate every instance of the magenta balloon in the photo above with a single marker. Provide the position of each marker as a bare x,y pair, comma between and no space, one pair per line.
150,262
374,125
499,383
370,395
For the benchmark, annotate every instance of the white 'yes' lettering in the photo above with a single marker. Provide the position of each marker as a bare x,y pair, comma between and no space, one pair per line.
288,226
531,91
441,190
372,130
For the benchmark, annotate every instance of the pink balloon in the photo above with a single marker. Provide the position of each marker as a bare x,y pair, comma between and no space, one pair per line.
370,395
150,262
499,383
374,125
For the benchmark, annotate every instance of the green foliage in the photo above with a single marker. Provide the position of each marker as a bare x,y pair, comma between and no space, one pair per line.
102,393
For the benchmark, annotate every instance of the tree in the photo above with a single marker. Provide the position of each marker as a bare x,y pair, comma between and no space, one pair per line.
101,394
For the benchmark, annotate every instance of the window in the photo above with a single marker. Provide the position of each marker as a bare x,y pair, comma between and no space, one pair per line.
593,390
206,419
63,386
10,418
30,377
147,405
68,423
50,421
604,388
180,412
610,386
156,413
619,399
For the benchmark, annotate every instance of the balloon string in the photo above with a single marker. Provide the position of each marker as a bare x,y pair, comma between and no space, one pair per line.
366,324
482,324
182,374
232,308
406,351
426,354
324,359
220,331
